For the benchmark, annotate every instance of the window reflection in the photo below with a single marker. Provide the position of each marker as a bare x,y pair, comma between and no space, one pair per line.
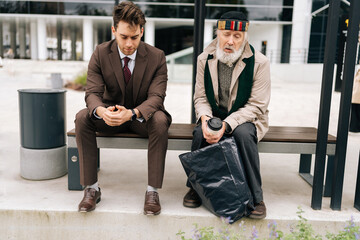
265,10
64,35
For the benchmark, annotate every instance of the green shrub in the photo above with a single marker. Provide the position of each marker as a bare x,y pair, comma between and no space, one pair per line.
81,79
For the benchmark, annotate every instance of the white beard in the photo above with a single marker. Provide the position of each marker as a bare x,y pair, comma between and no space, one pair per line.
229,58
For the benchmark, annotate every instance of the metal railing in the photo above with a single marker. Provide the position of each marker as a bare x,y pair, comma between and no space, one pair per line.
171,58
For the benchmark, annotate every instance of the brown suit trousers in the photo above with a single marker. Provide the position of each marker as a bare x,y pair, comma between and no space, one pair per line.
156,129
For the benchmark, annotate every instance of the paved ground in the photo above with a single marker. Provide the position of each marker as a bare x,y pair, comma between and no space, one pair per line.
123,179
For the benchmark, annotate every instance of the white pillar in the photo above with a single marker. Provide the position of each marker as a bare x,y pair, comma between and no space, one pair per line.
150,32
41,37
300,34
33,40
88,40
208,33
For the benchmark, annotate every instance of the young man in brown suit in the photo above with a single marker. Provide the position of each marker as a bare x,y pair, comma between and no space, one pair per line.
125,91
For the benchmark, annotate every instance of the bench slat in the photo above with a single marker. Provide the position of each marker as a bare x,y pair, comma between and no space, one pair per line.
275,134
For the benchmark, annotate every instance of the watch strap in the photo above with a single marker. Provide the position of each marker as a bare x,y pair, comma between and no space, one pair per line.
133,117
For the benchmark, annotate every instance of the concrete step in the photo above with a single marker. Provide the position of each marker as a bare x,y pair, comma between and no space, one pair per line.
47,210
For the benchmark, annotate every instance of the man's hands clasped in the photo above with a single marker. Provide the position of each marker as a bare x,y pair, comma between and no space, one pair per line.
115,115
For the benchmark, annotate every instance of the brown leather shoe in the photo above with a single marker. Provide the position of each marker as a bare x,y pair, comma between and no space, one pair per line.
259,212
91,198
192,199
152,203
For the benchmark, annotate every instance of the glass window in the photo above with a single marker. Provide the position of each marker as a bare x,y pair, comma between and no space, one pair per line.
266,10
93,9
253,13
254,2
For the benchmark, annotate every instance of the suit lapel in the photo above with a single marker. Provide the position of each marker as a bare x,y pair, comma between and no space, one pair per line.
117,68
140,66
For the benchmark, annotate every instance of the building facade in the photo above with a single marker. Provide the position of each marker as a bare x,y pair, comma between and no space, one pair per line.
71,29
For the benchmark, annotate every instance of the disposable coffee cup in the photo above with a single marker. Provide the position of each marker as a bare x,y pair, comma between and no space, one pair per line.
214,125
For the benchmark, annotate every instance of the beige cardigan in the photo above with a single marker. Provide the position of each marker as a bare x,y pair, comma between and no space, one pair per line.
256,109
356,88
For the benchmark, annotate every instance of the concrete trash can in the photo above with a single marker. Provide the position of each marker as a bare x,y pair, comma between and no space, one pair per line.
56,81
42,132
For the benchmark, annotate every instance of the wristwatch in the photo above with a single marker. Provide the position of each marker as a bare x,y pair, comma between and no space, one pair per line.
133,117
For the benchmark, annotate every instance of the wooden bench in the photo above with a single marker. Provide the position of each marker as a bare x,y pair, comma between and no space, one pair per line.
296,140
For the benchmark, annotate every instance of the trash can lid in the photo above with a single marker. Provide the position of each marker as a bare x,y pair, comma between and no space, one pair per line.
41,90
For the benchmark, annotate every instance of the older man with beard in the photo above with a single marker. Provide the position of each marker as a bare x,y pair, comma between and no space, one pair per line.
233,83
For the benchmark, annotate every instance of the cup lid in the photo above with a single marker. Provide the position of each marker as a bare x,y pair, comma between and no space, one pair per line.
215,124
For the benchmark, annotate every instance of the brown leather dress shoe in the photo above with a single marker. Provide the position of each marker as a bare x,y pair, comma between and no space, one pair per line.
152,203
91,198
192,199
259,212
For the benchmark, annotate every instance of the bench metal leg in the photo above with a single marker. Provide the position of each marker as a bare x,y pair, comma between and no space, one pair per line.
357,190
74,169
305,163
304,172
329,174
98,158
304,168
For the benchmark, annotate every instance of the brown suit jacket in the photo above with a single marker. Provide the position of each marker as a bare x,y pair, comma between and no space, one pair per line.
105,81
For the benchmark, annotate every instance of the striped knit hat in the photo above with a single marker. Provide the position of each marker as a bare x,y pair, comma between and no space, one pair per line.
233,21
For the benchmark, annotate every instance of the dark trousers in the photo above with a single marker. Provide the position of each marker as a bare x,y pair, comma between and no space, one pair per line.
156,129
355,118
246,140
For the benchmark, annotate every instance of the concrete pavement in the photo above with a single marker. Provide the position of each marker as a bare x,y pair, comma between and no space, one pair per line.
47,210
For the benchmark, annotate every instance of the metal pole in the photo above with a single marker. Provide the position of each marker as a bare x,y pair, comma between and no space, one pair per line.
345,103
13,37
199,19
325,102
59,38
357,189
73,41
1,39
340,55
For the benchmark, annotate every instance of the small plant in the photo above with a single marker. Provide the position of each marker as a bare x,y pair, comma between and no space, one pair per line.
208,233
350,232
302,230
81,79
274,233
79,82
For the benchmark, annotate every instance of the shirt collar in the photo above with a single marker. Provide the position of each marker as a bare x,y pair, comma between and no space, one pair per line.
132,56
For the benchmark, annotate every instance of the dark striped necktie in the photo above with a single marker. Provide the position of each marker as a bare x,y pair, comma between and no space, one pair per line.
127,72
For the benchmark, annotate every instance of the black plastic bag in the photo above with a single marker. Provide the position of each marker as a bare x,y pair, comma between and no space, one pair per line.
217,174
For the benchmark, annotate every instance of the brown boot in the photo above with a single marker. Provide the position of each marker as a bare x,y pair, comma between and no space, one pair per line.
259,212
192,199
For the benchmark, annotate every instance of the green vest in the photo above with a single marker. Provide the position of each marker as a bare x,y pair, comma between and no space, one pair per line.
244,87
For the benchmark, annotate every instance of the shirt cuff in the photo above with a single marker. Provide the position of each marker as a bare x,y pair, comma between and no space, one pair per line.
140,119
